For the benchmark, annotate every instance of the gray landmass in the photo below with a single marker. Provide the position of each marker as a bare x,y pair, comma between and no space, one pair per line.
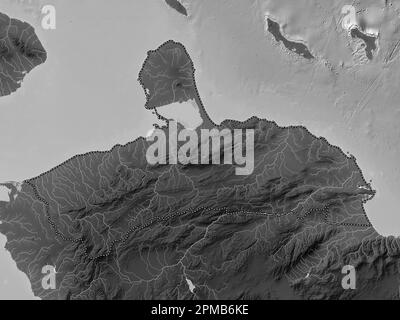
369,41
116,227
296,47
20,52
175,4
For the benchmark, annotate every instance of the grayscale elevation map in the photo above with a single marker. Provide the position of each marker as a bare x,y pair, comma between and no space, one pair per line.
199,150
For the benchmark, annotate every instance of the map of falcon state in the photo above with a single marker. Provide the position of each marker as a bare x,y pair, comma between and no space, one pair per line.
158,226
244,209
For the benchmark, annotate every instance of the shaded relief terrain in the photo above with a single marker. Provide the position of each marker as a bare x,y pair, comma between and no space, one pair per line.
297,47
20,52
117,228
369,41
167,76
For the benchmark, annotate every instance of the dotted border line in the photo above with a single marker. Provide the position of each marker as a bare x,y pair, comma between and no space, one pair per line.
172,216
